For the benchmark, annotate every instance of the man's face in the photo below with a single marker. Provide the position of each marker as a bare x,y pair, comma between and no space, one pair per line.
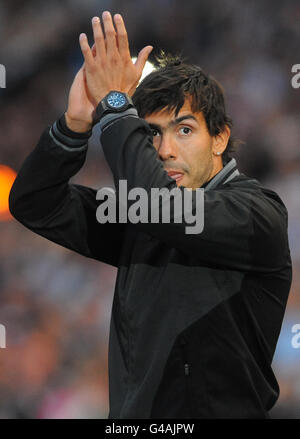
185,146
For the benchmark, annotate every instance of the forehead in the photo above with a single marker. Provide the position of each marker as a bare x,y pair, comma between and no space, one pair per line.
164,117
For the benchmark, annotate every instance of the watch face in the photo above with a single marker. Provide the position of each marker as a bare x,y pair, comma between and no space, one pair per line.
116,100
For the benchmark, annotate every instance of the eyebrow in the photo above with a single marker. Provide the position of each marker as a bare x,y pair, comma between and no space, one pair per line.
174,122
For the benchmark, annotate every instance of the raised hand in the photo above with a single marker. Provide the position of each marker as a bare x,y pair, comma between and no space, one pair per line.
112,67
107,66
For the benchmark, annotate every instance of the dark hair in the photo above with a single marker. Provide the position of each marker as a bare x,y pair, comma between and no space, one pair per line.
172,82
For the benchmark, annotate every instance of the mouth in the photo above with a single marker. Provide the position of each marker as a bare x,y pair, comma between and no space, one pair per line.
176,175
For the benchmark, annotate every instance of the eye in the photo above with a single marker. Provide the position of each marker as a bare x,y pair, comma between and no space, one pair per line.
155,132
185,130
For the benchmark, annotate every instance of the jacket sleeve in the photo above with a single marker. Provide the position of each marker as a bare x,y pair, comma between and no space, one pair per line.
244,229
44,201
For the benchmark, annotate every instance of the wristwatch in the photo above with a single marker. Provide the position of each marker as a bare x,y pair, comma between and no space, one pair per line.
114,102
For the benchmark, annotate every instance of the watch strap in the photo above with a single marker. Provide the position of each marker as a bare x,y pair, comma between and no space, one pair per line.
103,108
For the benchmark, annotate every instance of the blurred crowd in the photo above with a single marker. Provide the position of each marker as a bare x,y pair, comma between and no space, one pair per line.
56,304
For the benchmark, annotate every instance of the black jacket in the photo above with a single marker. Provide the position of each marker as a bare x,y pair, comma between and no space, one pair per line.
195,318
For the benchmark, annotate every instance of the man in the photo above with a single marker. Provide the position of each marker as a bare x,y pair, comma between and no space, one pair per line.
196,317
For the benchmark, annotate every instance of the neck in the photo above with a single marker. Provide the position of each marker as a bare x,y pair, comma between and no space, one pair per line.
217,167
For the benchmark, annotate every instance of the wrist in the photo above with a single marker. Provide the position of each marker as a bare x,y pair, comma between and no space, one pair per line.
78,126
66,138
114,102
101,95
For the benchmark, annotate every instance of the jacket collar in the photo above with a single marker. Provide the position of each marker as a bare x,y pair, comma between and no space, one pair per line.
227,173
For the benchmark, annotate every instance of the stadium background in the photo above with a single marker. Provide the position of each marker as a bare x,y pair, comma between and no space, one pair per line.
56,304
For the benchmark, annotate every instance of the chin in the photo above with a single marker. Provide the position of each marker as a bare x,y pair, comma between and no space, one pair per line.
186,186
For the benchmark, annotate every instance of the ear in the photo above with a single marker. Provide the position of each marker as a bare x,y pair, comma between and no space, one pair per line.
220,141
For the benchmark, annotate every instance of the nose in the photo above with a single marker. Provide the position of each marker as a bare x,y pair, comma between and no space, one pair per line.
167,148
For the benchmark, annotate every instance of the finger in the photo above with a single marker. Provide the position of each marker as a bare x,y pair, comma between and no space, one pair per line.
98,37
122,37
142,58
110,33
86,51
93,49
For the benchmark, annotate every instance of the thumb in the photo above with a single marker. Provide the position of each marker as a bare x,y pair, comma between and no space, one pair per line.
142,58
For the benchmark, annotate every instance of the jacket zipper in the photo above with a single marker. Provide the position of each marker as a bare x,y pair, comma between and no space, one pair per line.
186,369
186,373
